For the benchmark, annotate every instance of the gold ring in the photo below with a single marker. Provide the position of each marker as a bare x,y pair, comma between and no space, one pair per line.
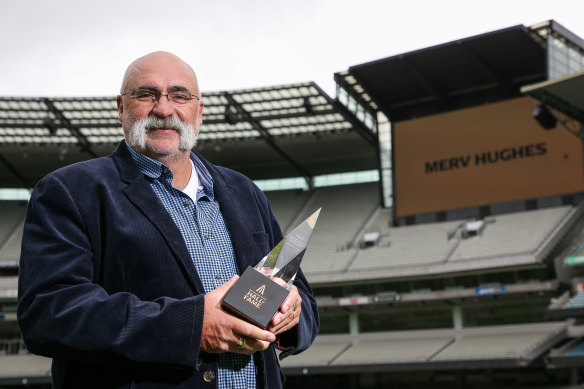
295,306
292,315
241,342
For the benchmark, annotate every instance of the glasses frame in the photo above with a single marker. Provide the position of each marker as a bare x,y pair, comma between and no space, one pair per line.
158,94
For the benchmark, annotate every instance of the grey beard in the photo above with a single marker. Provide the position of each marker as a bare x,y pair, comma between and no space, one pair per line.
188,134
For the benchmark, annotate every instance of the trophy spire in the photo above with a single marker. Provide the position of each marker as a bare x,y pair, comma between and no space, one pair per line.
283,261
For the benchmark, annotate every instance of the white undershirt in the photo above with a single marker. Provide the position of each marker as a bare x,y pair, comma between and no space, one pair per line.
194,184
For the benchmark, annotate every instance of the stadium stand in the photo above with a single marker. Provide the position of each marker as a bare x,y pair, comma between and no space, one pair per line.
520,344
521,233
286,205
345,211
8,288
567,306
10,250
569,354
409,246
513,239
402,350
576,302
25,369
11,231
512,345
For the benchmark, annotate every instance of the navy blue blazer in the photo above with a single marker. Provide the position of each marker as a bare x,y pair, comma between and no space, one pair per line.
107,287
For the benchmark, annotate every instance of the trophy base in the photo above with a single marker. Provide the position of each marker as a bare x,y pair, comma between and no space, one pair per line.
255,298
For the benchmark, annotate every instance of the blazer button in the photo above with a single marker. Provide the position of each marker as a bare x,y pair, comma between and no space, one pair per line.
209,376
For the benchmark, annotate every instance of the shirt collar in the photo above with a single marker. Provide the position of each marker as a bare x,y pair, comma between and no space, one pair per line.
157,170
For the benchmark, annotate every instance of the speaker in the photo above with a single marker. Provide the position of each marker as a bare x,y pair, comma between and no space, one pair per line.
544,117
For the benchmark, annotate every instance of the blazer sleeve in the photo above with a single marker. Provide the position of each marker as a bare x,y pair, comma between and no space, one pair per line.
63,312
300,337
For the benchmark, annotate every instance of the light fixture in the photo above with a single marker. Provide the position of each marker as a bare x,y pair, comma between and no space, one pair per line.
545,117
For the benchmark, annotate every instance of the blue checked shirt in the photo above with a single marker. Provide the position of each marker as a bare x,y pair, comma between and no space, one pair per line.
208,241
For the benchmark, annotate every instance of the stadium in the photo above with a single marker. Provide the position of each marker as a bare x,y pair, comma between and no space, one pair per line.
449,252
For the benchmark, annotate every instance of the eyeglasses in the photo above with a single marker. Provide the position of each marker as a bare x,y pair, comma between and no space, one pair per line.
151,97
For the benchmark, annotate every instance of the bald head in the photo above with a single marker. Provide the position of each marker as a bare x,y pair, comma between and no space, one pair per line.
158,63
163,127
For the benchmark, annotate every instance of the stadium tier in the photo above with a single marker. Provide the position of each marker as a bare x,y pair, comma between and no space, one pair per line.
341,255
569,355
287,204
8,288
567,306
497,346
345,209
11,231
24,370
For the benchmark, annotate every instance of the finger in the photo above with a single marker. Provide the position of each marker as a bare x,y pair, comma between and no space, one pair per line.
217,295
293,299
279,317
278,281
241,327
228,284
285,321
245,345
287,324
289,309
296,305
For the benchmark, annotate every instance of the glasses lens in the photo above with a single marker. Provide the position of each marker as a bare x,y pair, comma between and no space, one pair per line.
180,97
145,95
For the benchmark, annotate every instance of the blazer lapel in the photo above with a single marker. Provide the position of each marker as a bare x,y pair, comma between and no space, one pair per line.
140,194
233,215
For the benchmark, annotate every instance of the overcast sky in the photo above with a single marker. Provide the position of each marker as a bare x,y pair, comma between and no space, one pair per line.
80,48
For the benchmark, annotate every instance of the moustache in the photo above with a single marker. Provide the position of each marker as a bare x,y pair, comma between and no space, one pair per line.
137,134
171,122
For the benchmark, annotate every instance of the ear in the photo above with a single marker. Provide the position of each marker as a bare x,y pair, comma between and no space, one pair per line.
201,106
120,107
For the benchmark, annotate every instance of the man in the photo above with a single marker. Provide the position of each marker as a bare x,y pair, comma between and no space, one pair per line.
125,259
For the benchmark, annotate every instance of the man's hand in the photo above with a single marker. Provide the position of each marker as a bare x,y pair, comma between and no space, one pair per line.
289,313
224,332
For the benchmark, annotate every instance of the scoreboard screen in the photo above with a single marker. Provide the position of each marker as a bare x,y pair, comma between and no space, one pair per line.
482,155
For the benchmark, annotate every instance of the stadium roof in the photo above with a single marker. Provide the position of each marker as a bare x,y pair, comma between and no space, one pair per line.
466,72
564,94
271,132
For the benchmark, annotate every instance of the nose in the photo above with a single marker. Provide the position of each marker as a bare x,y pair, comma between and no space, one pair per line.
162,107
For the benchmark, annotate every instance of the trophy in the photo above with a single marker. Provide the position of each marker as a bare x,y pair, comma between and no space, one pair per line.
259,292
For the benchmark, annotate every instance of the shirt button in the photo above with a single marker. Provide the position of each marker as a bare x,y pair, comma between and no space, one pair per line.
218,277
207,237
187,203
209,375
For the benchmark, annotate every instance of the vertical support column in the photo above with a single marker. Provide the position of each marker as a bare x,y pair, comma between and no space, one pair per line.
385,159
353,323
457,318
